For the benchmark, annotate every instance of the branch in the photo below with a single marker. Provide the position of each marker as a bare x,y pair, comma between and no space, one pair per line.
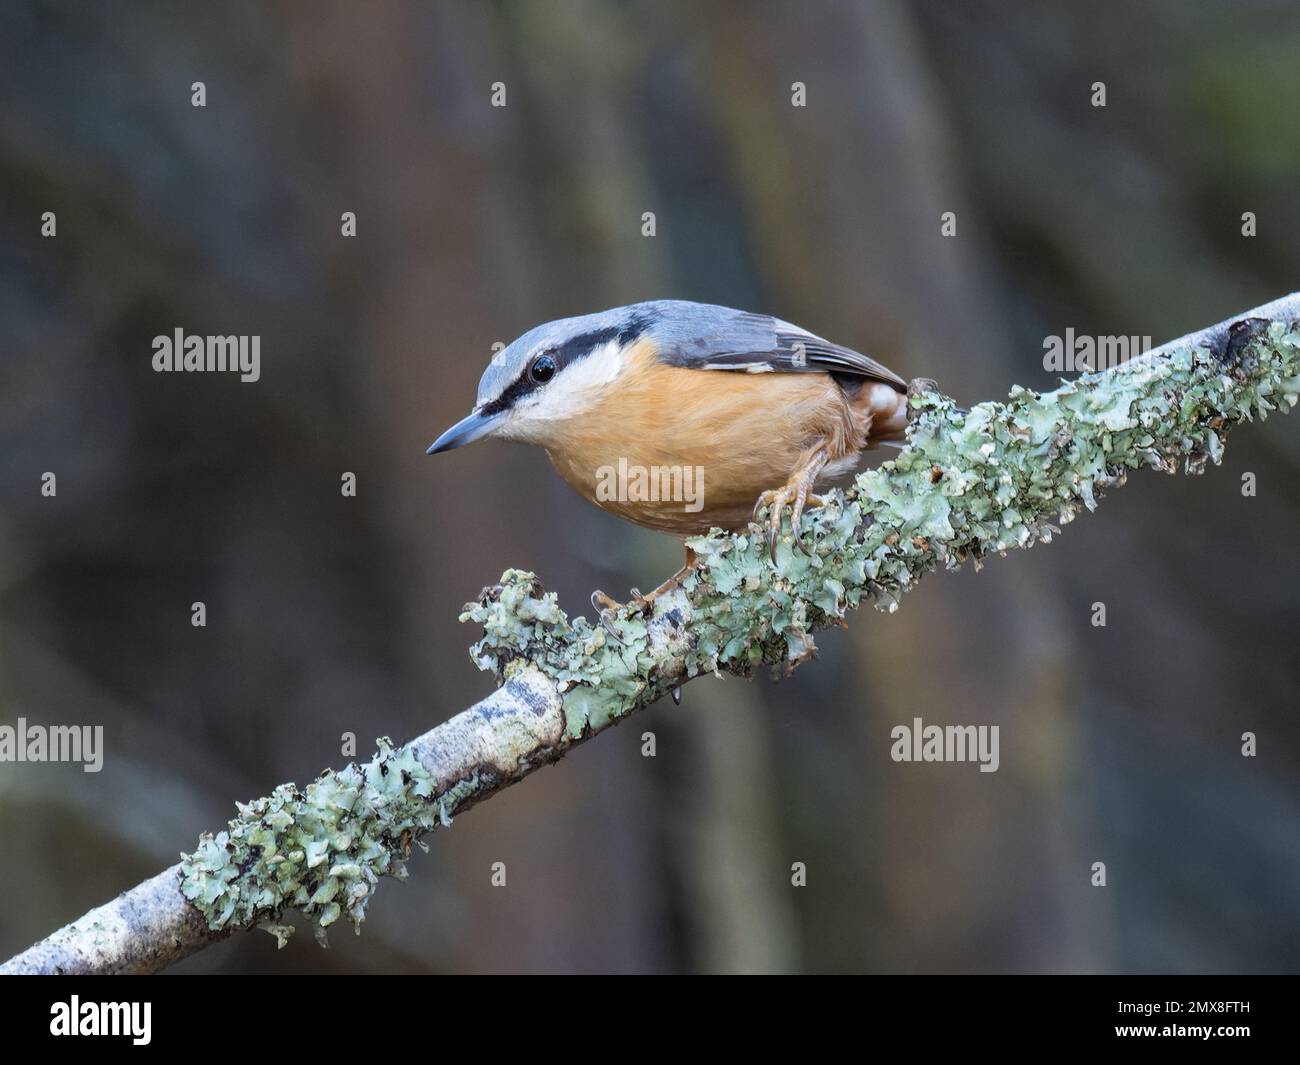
966,485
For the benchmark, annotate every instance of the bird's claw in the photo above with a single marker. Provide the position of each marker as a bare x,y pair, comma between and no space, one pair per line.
918,385
640,603
796,494
605,609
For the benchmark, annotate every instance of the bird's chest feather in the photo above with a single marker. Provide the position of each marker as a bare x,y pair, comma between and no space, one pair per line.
680,449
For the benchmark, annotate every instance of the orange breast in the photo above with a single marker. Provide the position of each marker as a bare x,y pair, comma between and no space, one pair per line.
682,450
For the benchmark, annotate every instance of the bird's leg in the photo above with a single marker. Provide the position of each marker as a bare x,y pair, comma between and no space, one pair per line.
644,603
796,493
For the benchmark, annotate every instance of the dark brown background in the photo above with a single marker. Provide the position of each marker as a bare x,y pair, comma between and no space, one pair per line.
329,614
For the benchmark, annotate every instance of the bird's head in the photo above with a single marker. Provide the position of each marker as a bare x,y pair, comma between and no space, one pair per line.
548,376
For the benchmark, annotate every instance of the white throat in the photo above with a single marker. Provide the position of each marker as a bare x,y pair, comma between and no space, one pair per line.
574,390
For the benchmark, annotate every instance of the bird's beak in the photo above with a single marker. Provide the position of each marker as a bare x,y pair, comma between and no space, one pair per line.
466,431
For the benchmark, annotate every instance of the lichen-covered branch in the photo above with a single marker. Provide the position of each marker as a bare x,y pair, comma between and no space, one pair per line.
1002,476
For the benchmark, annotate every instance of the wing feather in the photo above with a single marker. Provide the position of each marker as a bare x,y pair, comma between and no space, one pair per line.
703,337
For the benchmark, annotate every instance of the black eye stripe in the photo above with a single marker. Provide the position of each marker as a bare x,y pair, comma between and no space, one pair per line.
569,352
520,387
580,346
633,330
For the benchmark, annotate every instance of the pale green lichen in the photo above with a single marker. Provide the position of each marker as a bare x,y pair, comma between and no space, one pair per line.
999,477
601,678
321,850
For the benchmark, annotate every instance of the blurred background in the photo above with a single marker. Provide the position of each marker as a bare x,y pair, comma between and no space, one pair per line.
329,614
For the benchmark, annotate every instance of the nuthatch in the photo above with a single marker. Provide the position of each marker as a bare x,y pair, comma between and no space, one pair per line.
635,403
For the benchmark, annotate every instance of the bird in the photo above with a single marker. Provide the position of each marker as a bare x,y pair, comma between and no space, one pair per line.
682,416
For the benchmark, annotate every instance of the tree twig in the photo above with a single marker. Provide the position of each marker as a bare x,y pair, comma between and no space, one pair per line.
1004,475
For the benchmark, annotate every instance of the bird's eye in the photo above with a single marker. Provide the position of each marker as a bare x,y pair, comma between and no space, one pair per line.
542,369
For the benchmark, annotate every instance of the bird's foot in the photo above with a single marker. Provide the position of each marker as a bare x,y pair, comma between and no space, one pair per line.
796,494
640,603
917,385
607,608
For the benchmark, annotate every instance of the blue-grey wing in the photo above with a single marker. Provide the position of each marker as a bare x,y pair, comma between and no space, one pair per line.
704,337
